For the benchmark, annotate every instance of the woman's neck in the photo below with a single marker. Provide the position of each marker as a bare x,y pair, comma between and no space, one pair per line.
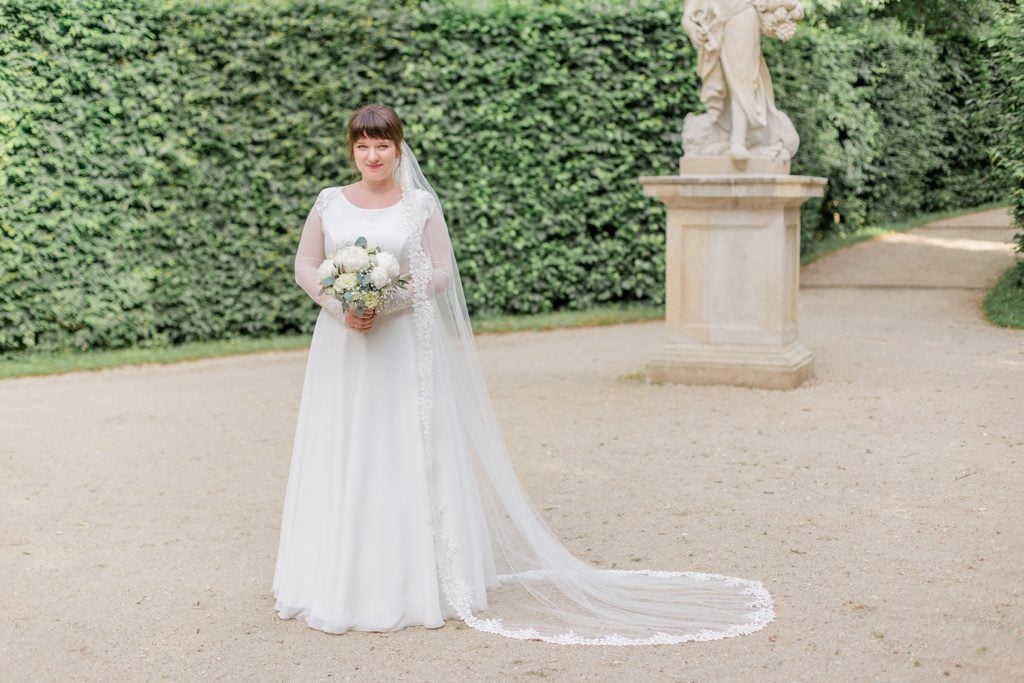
384,186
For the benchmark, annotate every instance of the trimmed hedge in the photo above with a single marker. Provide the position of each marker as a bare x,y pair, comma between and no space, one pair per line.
864,100
159,158
1007,43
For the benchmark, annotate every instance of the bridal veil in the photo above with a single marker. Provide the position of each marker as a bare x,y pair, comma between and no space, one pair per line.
543,592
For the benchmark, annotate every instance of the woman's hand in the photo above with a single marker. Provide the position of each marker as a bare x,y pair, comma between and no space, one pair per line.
360,323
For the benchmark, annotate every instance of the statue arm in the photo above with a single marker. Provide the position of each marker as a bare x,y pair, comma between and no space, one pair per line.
699,27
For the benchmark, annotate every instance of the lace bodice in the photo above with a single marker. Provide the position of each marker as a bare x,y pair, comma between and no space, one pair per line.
334,220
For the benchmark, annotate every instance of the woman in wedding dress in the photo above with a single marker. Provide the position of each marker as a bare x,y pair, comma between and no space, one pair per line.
402,507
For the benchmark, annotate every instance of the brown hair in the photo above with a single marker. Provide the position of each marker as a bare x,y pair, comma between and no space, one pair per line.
374,121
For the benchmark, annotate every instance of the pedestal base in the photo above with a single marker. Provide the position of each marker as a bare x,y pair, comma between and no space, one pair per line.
765,367
732,272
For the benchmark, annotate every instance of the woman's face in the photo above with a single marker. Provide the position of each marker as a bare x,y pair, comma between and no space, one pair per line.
375,157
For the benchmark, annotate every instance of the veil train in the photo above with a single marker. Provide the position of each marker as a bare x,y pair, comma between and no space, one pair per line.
544,592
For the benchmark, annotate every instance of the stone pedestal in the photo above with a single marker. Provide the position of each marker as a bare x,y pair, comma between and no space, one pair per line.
732,274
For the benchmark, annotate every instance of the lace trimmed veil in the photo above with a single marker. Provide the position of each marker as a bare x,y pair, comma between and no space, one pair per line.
543,592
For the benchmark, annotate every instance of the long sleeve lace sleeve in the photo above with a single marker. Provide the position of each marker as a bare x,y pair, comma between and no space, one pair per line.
438,246
308,258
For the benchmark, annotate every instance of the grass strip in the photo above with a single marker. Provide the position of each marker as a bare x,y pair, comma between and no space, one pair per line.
1004,303
72,361
594,317
53,363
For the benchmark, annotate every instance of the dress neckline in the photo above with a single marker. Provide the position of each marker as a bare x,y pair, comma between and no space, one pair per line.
341,191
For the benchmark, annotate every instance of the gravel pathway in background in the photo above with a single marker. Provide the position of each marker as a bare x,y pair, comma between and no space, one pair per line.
880,503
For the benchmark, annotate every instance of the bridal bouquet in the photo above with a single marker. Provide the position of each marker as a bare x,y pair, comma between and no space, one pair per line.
779,17
361,275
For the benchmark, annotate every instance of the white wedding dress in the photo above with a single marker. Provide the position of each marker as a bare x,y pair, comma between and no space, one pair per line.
356,550
402,507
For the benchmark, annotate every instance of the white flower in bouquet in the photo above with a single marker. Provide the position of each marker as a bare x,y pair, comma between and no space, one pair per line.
346,282
352,258
327,272
379,277
371,299
388,263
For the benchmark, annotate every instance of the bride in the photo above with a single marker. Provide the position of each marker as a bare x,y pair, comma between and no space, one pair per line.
402,507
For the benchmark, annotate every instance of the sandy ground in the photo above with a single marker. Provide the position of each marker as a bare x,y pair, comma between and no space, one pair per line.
881,503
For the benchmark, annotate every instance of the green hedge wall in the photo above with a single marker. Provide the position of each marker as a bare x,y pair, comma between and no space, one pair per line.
1007,43
862,99
158,158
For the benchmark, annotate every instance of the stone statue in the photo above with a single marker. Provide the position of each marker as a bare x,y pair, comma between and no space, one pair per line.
741,120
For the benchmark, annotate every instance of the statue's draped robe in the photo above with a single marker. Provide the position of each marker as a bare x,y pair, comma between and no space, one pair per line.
731,65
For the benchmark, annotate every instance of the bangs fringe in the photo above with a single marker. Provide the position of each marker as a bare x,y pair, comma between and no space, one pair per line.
375,121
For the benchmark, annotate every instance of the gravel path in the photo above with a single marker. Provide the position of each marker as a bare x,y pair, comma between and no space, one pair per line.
880,502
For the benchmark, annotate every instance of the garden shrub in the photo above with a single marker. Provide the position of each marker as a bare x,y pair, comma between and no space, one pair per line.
1007,98
159,158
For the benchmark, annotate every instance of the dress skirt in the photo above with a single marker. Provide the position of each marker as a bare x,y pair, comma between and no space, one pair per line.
356,549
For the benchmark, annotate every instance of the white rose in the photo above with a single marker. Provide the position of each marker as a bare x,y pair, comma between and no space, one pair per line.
388,263
345,282
379,277
352,259
326,270
371,300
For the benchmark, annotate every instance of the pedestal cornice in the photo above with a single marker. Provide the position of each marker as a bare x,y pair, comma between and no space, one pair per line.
700,190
